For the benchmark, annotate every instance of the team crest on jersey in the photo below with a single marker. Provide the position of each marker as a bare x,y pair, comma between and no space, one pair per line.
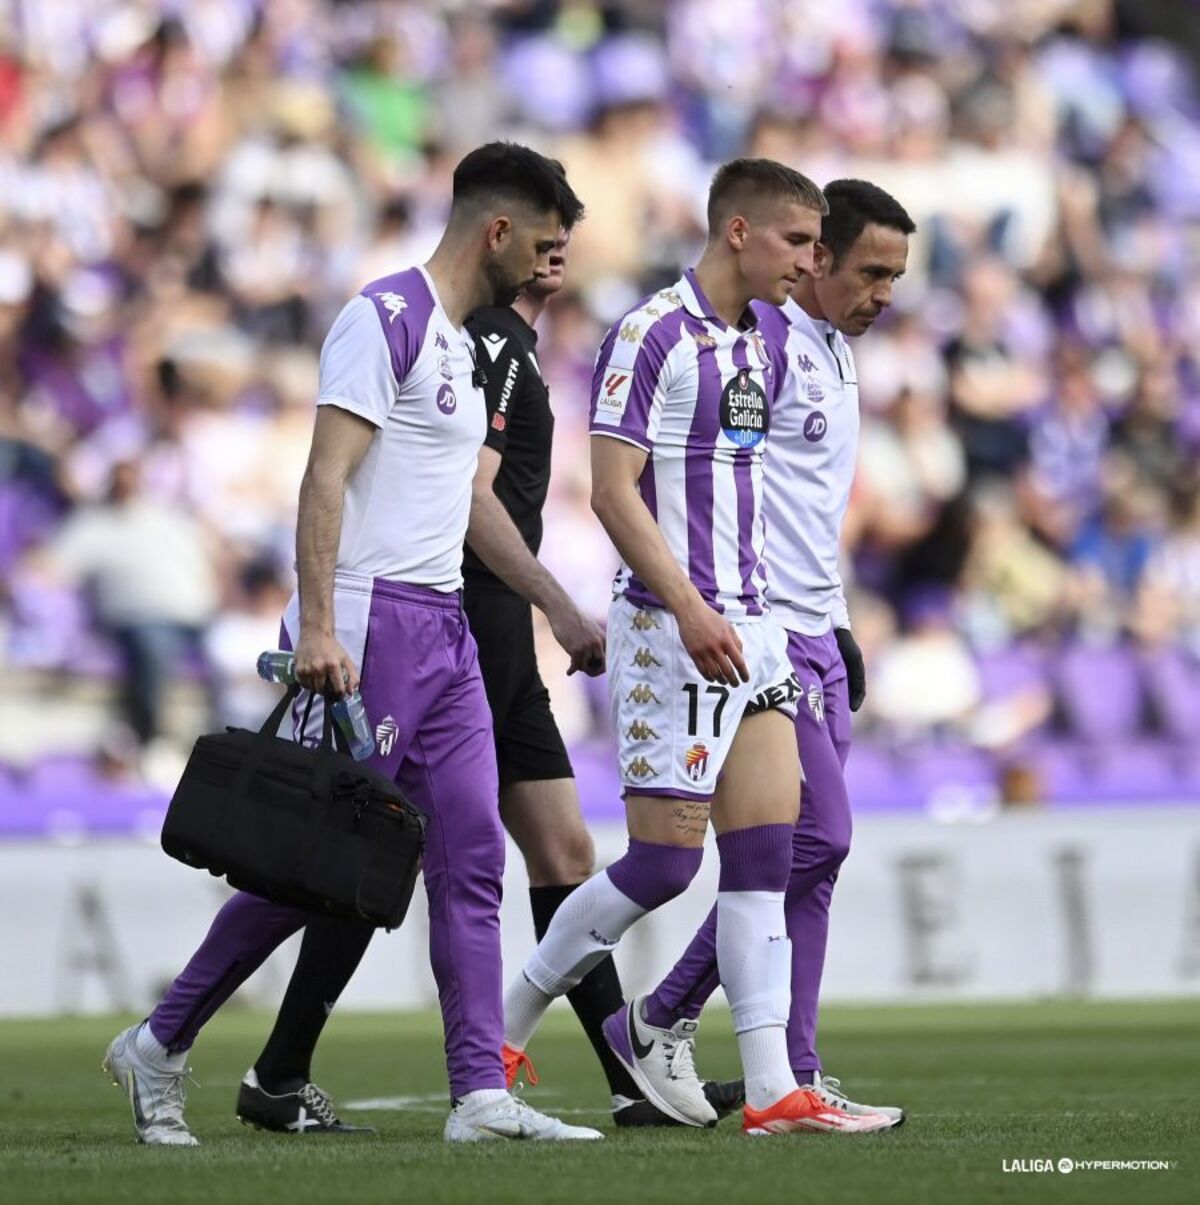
445,370
394,304
385,734
804,363
695,761
447,403
745,417
816,703
440,342
641,768
812,390
499,422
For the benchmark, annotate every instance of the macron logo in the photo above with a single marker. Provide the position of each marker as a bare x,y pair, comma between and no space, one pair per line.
394,304
494,344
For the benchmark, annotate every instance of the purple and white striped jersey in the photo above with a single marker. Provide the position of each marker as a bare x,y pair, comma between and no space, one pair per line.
696,394
394,358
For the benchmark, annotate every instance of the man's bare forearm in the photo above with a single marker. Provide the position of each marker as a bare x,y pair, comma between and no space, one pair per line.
638,539
494,538
318,533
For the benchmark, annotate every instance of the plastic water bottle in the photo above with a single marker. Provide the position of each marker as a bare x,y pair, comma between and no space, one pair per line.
348,712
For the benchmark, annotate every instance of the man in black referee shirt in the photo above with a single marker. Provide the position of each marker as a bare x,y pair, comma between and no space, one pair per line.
539,803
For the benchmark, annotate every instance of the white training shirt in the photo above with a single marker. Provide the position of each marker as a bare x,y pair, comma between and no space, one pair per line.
394,358
672,378
810,464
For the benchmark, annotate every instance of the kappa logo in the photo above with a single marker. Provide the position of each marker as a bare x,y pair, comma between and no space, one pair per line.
385,734
394,304
494,345
644,659
816,703
671,297
639,730
651,312
643,621
630,333
641,768
642,693
804,363
695,761
704,340
440,342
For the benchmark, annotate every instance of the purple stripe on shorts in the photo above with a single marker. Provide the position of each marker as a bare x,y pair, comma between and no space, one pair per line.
698,470
747,510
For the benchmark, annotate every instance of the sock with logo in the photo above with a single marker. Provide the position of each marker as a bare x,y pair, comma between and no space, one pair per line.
597,996
754,954
329,956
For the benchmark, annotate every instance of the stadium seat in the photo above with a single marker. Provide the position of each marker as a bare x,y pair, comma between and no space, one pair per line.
1172,678
1101,693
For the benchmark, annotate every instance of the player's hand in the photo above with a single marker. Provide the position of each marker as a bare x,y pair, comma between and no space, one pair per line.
582,639
712,644
323,666
856,670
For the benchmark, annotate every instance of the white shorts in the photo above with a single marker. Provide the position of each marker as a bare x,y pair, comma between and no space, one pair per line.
674,728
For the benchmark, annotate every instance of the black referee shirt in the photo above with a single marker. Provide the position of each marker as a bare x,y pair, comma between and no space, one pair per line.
520,424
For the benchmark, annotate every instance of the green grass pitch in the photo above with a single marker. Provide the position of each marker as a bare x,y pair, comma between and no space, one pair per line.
982,1084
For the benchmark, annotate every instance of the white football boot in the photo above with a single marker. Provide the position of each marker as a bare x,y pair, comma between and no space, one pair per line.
662,1063
156,1094
506,1116
830,1091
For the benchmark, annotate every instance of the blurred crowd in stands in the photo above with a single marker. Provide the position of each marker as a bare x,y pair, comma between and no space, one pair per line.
190,190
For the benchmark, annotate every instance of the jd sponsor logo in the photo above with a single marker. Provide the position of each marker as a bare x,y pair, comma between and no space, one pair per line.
447,403
815,427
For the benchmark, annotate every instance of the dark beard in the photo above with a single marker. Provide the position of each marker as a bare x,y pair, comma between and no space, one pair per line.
504,291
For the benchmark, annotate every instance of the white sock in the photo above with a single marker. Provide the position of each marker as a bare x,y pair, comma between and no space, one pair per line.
154,1052
586,928
754,957
765,1063
480,1098
524,1005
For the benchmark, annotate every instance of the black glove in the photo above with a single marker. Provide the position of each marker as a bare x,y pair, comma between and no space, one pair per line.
856,671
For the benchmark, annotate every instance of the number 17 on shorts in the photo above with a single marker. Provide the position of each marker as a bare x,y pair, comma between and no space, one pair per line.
674,729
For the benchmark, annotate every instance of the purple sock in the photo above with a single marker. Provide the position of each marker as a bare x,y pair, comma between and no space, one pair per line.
650,875
756,859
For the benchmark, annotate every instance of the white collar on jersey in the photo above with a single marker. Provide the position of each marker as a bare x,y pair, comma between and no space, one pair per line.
698,305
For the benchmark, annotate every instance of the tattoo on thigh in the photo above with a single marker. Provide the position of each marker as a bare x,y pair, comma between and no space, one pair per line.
691,819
